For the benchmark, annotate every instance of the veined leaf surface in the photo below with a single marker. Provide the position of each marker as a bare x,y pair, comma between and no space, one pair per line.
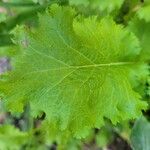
76,70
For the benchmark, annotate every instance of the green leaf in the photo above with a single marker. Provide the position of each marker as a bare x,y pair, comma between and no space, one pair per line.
11,138
2,17
76,71
144,12
107,5
140,25
79,2
140,136
142,31
103,5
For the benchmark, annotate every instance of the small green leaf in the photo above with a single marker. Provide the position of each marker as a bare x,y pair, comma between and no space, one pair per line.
11,138
102,5
144,13
140,136
141,28
79,2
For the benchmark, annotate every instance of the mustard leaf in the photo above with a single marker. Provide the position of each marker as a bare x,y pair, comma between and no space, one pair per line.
76,70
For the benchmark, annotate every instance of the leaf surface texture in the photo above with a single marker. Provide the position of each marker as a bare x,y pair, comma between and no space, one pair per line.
76,70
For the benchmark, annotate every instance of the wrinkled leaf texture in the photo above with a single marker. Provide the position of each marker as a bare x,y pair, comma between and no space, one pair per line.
76,70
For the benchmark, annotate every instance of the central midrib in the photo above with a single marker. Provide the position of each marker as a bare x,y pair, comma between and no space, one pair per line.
101,65
83,66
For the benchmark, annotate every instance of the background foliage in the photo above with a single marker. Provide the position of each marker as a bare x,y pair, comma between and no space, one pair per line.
74,74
